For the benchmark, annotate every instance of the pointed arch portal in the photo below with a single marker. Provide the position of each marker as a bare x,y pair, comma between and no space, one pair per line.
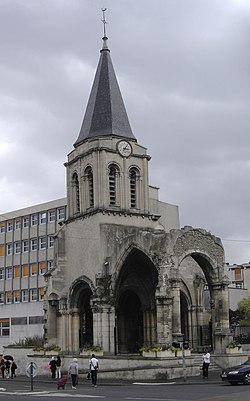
135,303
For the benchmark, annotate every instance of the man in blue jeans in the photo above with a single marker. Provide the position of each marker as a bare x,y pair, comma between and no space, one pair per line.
93,366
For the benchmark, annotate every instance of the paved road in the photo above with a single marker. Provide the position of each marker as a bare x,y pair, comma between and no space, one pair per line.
192,390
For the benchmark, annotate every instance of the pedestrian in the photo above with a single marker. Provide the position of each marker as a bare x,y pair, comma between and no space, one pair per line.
73,371
52,366
2,365
58,367
206,361
13,369
7,368
93,366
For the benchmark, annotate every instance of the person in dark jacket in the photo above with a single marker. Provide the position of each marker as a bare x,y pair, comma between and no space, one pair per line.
52,366
58,367
7,368
13,369
2,365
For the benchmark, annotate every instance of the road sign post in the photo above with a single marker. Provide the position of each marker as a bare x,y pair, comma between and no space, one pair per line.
31,371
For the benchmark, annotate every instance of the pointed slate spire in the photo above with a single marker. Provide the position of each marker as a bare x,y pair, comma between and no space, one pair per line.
105,113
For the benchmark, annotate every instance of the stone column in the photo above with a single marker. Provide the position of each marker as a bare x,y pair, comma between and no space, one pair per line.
176,313
164,311
75,327
220,316
104,326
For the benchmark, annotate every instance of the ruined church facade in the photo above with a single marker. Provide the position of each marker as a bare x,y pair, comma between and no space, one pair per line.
125,274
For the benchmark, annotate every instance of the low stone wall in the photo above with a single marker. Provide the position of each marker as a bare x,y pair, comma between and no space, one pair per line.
117,367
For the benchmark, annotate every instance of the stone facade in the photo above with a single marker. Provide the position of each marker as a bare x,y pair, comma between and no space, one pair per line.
124,273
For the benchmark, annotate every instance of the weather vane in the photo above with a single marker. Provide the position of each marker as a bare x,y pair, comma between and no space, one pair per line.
104,21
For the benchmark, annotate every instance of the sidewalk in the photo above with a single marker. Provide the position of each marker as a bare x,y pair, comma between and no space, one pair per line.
213,378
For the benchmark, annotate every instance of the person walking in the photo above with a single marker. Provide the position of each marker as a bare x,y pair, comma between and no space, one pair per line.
13,369
58,367
206,362
2,365
7,368
52,366
93,366
73,371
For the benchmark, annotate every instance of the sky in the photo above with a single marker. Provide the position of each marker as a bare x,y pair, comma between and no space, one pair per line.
183,68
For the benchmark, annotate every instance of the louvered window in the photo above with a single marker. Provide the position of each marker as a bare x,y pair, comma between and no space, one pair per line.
90,186
76,193
112,185
133,194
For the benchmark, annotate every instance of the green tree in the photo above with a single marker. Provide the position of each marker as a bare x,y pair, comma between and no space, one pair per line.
244,310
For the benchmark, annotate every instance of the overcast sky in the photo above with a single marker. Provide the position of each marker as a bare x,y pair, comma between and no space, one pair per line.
183,67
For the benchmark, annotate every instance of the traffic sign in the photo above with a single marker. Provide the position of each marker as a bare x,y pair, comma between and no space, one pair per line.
31,369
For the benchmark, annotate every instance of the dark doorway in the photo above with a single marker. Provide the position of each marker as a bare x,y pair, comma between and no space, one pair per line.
86,319
130,323
184,317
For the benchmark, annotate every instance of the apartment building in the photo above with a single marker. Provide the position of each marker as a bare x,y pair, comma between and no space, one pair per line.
26,253
239,287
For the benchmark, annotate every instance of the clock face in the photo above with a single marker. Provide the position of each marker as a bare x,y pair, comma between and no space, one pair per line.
124,148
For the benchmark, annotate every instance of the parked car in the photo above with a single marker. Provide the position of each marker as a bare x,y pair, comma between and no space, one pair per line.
237,374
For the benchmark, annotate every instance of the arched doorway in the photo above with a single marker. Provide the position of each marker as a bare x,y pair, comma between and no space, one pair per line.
86,319
130,322
80,304
135,303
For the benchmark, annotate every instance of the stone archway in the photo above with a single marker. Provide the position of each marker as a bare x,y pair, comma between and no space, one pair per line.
207,252
135,303
81,314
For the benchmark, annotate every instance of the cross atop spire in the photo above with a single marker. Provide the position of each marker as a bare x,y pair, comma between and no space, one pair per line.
104,22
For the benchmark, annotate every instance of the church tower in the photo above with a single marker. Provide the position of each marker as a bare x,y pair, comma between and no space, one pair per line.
124,271
108,170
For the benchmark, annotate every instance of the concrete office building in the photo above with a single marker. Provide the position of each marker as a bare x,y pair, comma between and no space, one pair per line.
26,254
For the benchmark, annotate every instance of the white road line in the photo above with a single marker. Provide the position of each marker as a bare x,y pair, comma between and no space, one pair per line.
153,384
52,394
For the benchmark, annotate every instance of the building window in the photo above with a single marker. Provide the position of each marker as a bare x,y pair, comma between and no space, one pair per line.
50,264
113,174
76,193
33,269
10,225
42,242
41,294
25,246
61,213
43,217
17,247
52,215
25,270
133,174
33,294
9,249
17,297
42,268
8,297
89,186
34,219
17,224
26,221
17,271
4,327
9,273
51,241
34,244
1,297
1,274
2,227
25,295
